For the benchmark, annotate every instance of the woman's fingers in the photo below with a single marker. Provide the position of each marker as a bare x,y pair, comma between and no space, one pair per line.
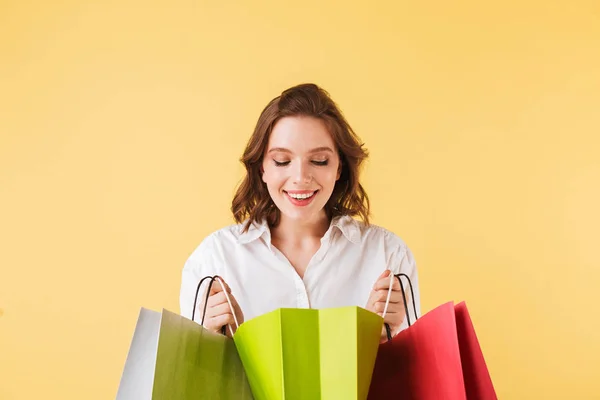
384,283
217,310
220,311
218,299
394,315
387,285
381,295
217,322
218,287
392,308
378,299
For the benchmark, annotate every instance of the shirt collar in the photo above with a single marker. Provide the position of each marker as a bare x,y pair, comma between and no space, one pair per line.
255,231
346,224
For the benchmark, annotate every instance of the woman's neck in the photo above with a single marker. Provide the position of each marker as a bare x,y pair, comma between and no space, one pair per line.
290,230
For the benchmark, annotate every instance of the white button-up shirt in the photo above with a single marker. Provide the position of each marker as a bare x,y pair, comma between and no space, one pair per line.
341,273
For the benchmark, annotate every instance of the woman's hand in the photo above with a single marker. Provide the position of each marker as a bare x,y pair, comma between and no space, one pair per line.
218,311
395,312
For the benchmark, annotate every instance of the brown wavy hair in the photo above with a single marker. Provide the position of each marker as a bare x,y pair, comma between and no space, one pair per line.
252,200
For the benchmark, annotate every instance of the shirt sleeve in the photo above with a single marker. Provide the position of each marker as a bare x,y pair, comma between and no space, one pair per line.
402,261
199,265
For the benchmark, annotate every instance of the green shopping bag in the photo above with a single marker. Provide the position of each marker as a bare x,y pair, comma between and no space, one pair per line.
172,357
310,354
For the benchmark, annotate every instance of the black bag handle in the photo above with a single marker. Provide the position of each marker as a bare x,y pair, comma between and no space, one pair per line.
412,295
212,280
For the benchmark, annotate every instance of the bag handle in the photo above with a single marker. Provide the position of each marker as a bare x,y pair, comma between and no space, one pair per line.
412,294
212,280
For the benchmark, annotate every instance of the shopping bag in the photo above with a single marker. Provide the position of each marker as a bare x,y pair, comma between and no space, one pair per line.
172,357
438,357
293,353
478,382
310,354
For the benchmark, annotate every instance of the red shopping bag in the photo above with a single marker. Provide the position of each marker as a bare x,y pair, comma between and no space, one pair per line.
478,383
438,357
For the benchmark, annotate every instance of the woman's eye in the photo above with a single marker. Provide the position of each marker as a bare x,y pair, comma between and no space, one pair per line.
315,162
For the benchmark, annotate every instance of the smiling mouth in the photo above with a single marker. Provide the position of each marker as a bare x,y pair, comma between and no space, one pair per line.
301,196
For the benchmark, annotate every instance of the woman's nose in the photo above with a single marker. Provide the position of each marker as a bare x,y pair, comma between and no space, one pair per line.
302,174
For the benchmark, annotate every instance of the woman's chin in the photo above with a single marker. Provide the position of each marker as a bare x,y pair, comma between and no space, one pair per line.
303,215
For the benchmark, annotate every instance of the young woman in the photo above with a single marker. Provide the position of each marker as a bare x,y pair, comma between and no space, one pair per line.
296,243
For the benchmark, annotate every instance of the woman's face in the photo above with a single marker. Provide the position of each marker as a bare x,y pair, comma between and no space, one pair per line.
300,167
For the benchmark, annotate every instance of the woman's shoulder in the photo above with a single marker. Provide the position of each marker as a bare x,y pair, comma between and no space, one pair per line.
227,237
385,242
360,232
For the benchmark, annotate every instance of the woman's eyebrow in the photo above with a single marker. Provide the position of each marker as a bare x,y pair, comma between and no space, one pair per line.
315,150
320,149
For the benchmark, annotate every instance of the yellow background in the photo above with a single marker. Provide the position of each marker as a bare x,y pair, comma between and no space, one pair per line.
121,126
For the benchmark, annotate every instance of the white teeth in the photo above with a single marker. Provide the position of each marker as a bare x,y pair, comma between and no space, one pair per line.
301,196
